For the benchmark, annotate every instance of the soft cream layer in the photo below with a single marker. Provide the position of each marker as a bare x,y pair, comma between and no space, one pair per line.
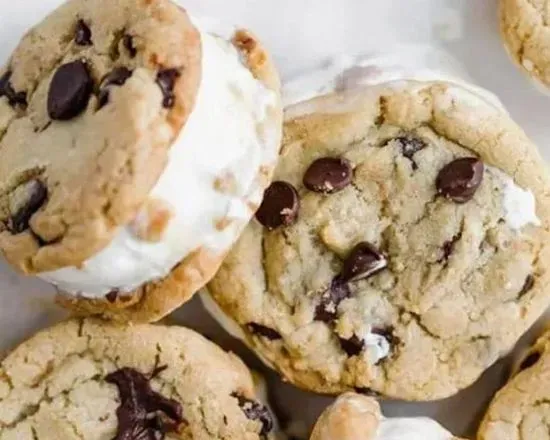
212,179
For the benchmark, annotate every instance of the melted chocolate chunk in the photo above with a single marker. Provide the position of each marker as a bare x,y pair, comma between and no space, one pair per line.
363,262
448,248
83,34
112,296
256,411
70,91
117,77
328,175
280,206
35,196
410,146
353,346
143,414
264,331
530,360
128,43
166,80
527,286
460,179
327,310
6,89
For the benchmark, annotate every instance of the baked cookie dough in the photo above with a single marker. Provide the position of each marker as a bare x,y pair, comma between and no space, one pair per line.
358,417
520,410
526,35
402,249
86,379
135,145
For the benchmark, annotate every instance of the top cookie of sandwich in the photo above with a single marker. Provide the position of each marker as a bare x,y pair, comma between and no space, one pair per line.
90,102
524,28
402,249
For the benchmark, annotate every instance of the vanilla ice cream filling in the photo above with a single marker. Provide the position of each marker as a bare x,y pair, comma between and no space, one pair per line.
208,186
411,62
411,429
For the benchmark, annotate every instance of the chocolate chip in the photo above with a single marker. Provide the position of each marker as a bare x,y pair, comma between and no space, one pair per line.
31,197
410,146
527,286
256,411
264,331
448,248
460,179
280,206
327,310
143,414
117,77
6,89
112,296
363,262
530,360
70,91
166,80
128,43
353,346
328,175
83,34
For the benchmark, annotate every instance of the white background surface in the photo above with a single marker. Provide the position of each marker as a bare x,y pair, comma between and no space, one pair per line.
300,34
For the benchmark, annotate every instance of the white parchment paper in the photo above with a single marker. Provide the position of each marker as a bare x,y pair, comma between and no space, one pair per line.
301,34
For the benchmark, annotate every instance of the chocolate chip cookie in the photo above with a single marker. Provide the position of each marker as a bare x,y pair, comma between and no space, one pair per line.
520,410
402,249
135,146
523,25
354,416
93,380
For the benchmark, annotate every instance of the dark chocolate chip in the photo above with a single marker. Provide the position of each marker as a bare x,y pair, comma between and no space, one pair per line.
328,175
530,360
128,42
143,414
35,197
527,286
256,411
166,80
460,179
353,346
7,90
70,91
112,296
410,145
264,331
448,248
327,309
363,262
280,206
117,77
83,34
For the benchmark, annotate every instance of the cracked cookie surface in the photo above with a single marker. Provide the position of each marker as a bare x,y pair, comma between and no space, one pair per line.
525,29
521,410
415,275
93,380
90,102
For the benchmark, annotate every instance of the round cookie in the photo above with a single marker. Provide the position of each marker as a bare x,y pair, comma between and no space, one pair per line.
520,410
526,36
395,254
97,107
357,417
88,379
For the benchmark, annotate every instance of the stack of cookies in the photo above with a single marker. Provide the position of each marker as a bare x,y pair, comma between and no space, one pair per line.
387,237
